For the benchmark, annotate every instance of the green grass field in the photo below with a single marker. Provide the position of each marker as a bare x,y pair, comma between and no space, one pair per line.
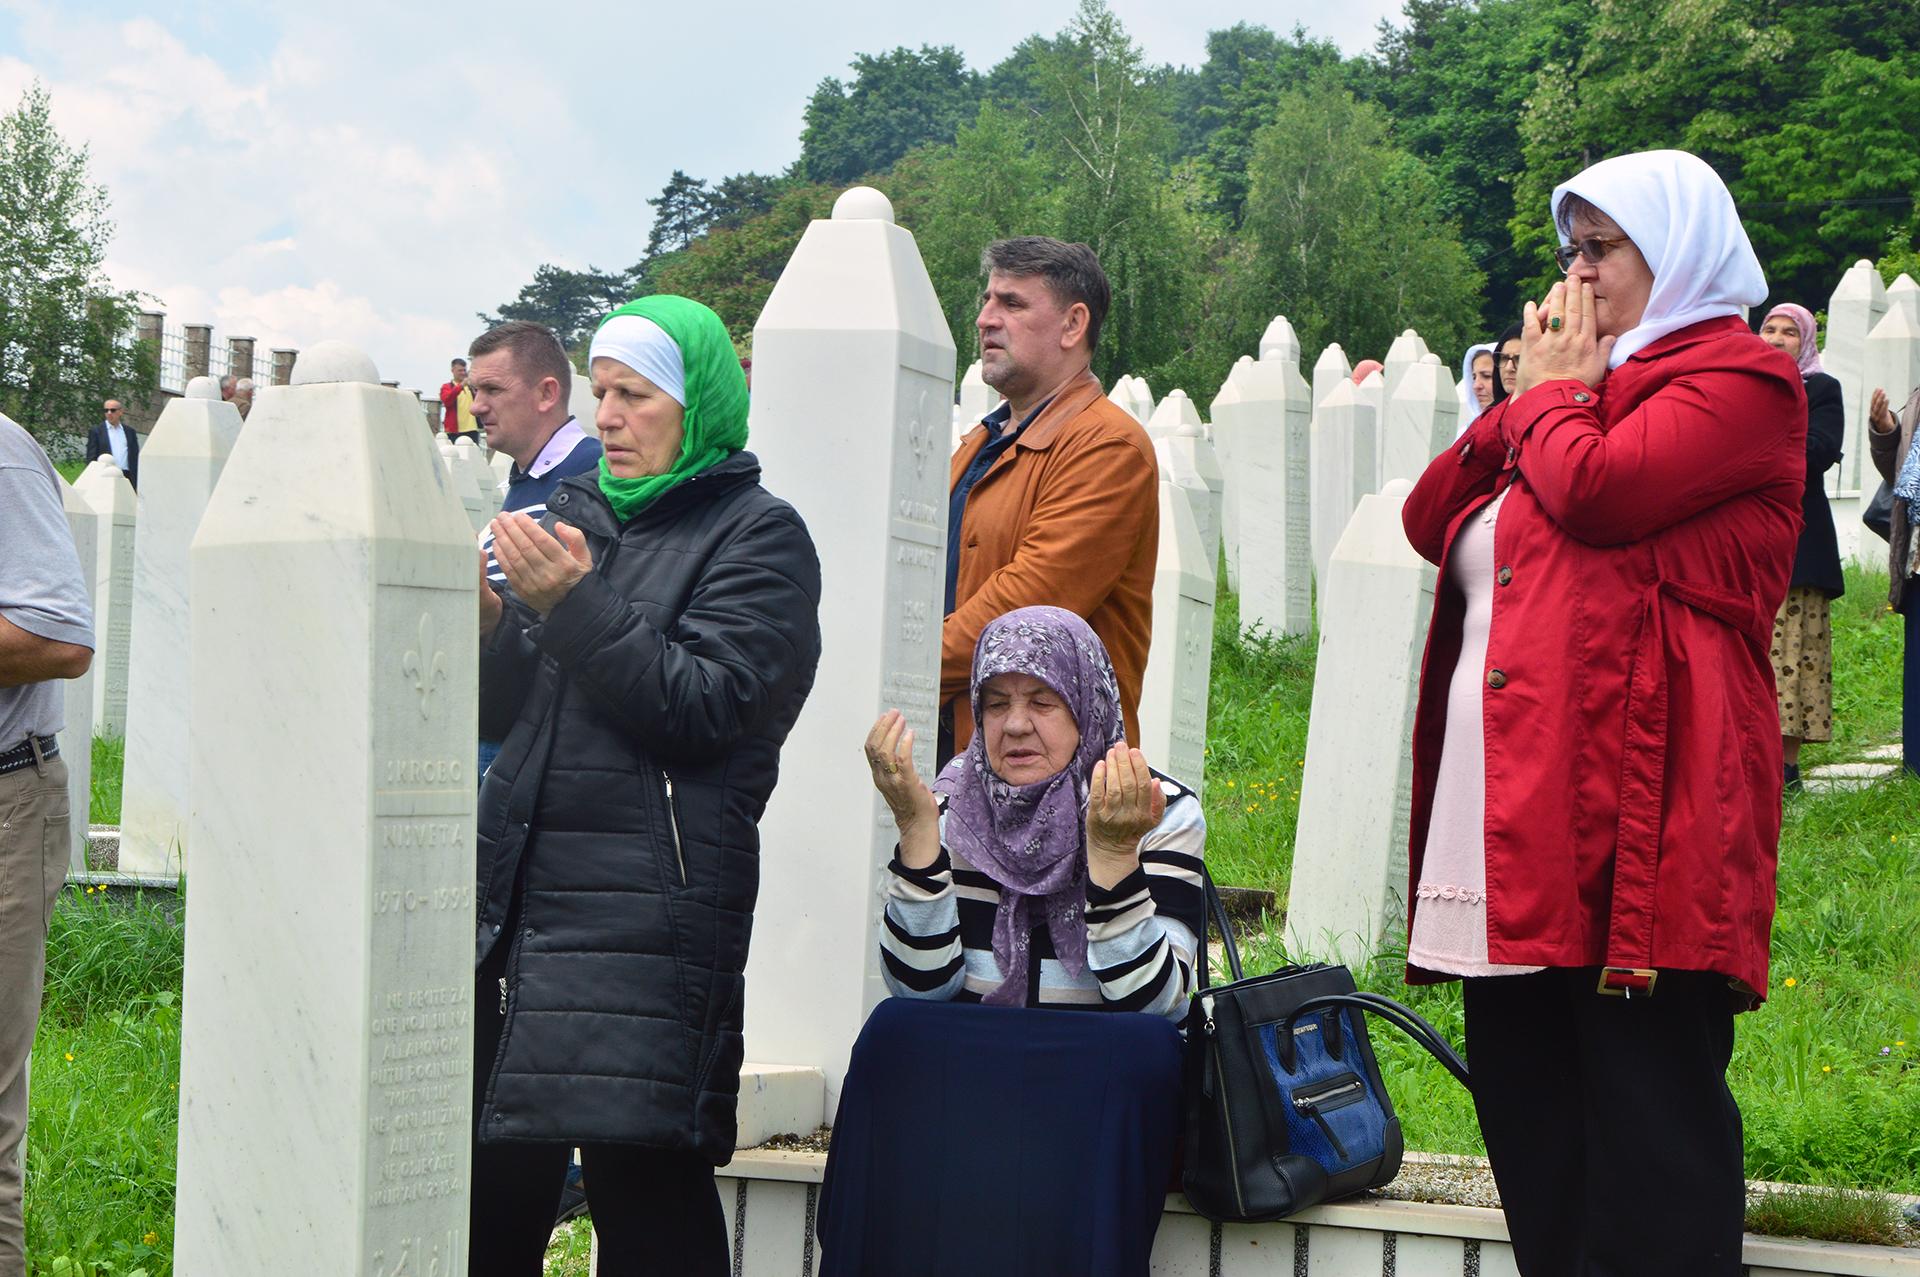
1827,1073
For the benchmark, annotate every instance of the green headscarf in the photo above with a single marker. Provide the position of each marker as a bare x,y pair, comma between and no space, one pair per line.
715,403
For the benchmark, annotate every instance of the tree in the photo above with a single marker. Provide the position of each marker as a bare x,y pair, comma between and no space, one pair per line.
570,302
897,101
63,327
1247,69
1349,238
681,212
733,270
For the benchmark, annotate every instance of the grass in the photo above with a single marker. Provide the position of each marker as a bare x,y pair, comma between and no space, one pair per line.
109,765
1827,1073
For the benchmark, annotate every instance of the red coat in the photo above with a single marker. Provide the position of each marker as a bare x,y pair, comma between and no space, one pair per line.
1632,741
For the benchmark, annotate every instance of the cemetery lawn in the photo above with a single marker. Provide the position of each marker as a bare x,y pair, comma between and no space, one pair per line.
1827,1073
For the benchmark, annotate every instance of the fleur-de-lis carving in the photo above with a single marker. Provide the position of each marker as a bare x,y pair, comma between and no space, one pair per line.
920,434
426,665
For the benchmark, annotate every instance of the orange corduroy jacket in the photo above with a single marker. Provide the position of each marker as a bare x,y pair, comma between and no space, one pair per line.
1068,516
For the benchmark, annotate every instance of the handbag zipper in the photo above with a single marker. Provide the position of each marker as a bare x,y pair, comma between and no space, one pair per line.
673,823
1314,1105
1226,1104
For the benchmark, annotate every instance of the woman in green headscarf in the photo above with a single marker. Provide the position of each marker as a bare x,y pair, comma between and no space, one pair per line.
657,640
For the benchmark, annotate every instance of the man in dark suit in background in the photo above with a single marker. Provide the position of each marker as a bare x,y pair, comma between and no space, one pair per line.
114,438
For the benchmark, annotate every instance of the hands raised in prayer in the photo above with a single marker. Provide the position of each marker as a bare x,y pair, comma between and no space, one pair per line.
1124,802
1560,340
916,813
541,568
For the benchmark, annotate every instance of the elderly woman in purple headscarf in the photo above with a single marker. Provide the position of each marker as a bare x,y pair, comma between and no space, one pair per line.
1802,648
1047,870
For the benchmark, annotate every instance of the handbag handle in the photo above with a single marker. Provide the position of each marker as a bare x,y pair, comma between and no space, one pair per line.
1401,1017
1218,909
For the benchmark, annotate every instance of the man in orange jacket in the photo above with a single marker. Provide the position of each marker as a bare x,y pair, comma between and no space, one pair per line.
1052,497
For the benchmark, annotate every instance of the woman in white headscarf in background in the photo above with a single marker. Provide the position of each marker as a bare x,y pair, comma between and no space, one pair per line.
1596,802
1476,385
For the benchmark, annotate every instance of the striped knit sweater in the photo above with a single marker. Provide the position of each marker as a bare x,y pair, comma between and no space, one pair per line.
937,941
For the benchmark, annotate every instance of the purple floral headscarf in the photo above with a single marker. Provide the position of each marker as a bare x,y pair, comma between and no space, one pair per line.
1031,839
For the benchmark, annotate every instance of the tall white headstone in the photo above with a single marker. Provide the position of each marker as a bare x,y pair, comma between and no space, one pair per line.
1144,404
472,501
326,1060
1175,410
1330,368
104,488
76,737
1345,461
1224,414
1892,363
853,321
1272,470
1280,341
1407,350
1420,420
1347,896
1173,691
1198,469
1857,304
1373,392
1905,293
467,455
179,466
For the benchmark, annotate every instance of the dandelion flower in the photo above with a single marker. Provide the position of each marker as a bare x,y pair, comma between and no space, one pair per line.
1791,982
150,1238
69,1057
1826,1068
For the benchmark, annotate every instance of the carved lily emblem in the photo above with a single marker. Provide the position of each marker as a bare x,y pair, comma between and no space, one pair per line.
427,672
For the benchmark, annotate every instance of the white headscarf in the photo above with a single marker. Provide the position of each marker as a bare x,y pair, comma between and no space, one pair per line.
643,346
1680,216
1469,402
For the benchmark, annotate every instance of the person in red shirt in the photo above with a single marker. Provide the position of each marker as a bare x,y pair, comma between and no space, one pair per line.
1596,805
456,405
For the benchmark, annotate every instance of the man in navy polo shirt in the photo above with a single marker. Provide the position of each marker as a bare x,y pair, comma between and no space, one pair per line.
521,381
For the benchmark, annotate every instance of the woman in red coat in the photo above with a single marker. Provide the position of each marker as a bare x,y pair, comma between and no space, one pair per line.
1596,803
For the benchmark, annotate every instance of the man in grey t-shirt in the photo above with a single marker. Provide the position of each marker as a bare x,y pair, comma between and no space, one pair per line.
46,634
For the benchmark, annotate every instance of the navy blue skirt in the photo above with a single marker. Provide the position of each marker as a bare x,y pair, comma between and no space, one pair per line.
978,1140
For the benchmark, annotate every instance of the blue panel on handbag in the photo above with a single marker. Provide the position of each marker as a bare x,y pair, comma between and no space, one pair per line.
1331,1113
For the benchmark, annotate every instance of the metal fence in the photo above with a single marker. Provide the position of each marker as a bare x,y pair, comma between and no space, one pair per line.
173,358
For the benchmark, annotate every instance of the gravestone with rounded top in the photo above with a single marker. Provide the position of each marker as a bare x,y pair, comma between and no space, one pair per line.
76,736
1905,293
1273,471
1347,896
1345,449
853,321
1173,691
1280,341
1407,350
1224,414
1175,410
327,1037
104,488
1420,419
179,466
1857,304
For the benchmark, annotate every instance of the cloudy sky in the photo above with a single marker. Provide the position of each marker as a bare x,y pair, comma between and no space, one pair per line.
380,173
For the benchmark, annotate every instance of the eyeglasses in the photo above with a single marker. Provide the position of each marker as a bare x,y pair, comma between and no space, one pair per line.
1593,248
1508,362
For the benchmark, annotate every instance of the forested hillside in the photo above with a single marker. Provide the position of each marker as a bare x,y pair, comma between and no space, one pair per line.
1405,187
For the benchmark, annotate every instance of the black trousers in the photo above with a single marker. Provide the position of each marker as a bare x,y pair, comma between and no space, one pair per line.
657,1212
1614,1140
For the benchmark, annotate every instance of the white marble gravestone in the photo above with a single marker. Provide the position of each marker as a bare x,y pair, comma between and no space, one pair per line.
1892,363
1905,293
501,465
1345,452
1347,896
1420,420
466,454
1407,350
581,403
473,503
1280,341
76,735
327,1038
1197,469
1331,368
1173,691
1224,414
1373,392
1174,411
1272,470
179,466
104,488
853,321
1858,302
1144,404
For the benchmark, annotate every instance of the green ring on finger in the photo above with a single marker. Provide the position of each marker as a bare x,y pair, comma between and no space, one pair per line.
1555,323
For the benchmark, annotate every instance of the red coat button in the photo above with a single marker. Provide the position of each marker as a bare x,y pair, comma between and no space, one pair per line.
1496,678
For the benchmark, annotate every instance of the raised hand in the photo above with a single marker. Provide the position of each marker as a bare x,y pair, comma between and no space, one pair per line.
1879,415
1571,349
916,813
1124,803
542,569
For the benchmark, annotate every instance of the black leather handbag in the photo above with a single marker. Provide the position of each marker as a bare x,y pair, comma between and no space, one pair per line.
1284,1104
1878,514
